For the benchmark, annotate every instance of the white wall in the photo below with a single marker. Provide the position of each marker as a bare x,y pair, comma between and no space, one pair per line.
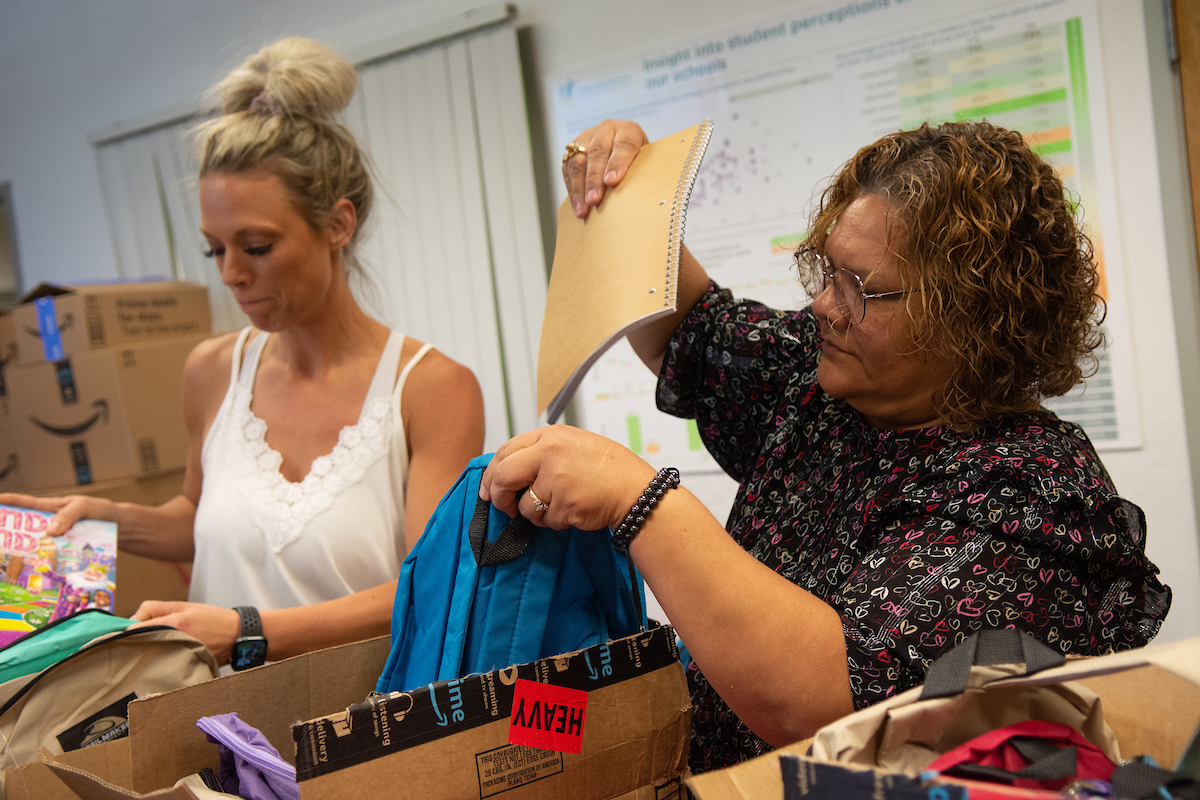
73,66
1157,477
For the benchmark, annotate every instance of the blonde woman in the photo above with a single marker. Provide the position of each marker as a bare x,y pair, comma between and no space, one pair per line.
320,440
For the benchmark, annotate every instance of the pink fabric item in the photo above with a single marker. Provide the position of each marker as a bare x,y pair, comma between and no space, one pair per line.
993,750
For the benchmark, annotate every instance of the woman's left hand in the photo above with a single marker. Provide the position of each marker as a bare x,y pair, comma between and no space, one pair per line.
585,480
216,627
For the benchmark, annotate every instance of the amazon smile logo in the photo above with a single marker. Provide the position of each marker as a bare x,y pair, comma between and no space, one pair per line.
64,324
101,414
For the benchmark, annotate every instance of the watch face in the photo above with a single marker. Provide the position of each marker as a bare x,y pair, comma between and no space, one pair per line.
248,652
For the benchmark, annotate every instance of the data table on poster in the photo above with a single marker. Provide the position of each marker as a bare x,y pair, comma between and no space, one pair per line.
793,96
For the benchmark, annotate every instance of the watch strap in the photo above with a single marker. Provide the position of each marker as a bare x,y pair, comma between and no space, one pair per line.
251,622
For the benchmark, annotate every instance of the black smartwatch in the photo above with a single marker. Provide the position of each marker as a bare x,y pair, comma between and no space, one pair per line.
250,647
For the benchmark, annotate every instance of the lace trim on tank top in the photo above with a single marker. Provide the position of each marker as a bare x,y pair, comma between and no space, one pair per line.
282,509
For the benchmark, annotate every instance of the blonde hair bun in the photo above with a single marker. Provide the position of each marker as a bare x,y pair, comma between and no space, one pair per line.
293,76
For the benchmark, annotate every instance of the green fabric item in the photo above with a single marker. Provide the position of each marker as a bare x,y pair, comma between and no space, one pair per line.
51,644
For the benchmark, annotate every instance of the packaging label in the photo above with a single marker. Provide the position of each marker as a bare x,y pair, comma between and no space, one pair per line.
83,467
48,328
66,382
103,726
509,767
547,716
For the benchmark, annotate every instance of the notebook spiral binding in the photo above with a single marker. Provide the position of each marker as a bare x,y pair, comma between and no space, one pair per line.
683,191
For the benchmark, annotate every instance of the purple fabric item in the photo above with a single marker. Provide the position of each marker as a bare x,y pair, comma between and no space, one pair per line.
250,766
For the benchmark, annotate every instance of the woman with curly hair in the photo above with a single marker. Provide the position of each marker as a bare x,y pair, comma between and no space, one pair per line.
900,485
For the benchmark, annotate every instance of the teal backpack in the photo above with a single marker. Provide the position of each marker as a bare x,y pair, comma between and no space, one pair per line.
481,591
52,643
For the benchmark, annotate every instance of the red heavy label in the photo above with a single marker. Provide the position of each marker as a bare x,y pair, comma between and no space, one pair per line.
549,717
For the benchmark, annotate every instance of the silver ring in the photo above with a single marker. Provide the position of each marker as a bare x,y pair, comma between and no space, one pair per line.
538,505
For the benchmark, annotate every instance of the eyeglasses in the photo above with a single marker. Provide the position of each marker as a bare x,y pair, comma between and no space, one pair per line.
847,286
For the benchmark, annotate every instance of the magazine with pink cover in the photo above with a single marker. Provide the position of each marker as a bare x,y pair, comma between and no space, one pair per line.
44,578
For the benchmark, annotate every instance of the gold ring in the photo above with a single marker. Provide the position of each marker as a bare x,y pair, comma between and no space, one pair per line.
538,505
573,149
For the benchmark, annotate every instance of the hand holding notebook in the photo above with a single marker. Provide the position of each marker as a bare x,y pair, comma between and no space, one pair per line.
618,268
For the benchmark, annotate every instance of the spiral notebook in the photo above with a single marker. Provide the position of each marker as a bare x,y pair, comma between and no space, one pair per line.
619,268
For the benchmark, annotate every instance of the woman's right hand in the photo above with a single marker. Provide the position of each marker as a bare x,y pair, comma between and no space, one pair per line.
611,147
66,510
582,479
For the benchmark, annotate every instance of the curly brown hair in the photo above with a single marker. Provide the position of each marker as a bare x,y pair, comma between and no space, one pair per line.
1003,280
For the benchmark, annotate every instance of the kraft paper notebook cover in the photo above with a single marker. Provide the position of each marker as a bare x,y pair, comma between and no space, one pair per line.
619,268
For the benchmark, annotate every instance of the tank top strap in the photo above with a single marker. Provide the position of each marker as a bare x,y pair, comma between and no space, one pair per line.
245,370
385,368
412,362
237,353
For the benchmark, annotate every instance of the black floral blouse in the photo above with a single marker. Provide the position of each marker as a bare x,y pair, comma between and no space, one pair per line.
916,538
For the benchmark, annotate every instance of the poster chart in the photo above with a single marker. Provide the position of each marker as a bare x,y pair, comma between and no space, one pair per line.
792,97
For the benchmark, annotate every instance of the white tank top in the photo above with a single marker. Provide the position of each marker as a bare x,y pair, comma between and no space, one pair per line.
264,541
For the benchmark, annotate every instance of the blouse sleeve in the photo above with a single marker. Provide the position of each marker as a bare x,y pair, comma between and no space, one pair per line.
1073,577
731,365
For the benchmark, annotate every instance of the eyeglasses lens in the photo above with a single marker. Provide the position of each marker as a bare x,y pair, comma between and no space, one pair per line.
847,292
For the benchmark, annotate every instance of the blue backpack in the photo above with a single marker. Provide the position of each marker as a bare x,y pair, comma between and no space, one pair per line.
481,592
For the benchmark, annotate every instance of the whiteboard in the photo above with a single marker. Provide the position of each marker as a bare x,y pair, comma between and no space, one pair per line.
792,97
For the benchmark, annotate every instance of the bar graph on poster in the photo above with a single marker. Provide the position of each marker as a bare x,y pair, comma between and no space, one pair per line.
793,96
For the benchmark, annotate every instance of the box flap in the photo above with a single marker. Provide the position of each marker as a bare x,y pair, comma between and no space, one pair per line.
633,738
35,781
88,787
44,290
166,745
399,720
1181,658
758,778
1152,711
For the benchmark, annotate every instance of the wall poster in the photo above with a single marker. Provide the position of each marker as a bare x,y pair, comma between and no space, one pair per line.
792,97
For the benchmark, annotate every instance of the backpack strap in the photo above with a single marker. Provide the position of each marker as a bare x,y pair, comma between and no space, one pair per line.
1146,781
509,545
949,674
1046,762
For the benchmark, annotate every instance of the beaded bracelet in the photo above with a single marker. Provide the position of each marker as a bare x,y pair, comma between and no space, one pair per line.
666,479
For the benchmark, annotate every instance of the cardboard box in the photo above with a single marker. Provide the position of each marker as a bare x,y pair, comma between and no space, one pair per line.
451,740
11,477
108,762
101,415
1150,698
164,744
8,346
75,319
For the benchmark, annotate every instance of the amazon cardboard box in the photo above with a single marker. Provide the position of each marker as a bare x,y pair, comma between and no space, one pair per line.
54,322
452,739
101,415
165,746
611,721
8,346
1150,698
10,472
11,478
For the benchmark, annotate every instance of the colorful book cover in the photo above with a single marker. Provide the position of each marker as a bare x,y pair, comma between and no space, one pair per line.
44,578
